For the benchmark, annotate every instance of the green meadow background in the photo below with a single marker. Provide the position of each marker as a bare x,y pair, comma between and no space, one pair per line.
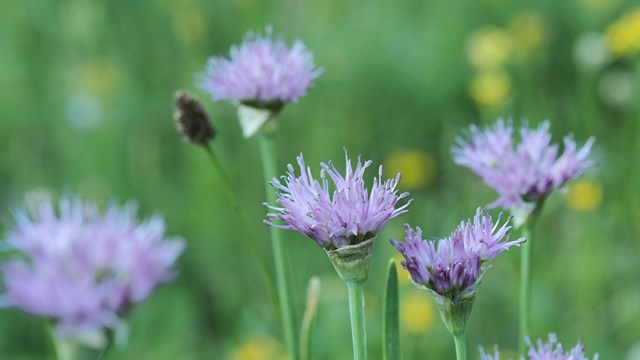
86,109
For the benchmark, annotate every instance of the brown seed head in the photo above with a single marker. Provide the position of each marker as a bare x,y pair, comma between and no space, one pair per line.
192,121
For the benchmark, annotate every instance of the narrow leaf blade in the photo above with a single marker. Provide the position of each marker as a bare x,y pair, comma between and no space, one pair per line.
391,329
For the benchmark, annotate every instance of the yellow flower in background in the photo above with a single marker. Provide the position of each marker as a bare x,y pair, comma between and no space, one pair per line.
188,24
100,76
527,32
623,36
489,48
418,168
490,89
417,312
584,195
403,275
259,348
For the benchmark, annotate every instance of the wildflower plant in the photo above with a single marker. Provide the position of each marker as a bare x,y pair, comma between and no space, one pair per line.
452,268
260,76
523,175
84,270
343,219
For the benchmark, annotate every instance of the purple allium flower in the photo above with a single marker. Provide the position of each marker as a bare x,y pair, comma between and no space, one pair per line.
551,350
83,269
349,216
494,356
526,173
261,70
452,267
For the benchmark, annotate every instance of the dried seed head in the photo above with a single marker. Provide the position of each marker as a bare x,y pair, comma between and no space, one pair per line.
192,121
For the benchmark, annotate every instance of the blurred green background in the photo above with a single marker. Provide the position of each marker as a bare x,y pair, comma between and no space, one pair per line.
86,104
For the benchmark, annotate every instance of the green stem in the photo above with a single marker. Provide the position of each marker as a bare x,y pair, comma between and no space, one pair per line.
461,345
358,328
67,349
525,287
237,207
56,346
280,253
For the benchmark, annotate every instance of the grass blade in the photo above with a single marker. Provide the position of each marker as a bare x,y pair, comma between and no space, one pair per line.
391,331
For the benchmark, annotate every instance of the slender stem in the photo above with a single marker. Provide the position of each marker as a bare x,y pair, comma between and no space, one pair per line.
56,347
280,253
461,345
66,349
358,327
237,207
525,287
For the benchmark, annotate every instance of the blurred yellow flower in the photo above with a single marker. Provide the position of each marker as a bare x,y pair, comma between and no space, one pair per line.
403,275
373,305
188,24
584,195
417,312
100,76
259,348
489,48
490,89
623,36
418,168
527,31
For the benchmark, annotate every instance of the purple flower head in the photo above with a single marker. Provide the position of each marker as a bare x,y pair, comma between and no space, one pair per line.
551,350
261,71
494,356
453,266
526,173
84,269
345,216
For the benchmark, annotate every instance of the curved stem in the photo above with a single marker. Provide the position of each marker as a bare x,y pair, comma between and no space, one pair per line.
461,345
358,327
525,287
237,207
280,253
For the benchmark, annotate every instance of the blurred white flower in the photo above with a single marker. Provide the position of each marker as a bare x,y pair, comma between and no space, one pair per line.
616,88
591,52
84,111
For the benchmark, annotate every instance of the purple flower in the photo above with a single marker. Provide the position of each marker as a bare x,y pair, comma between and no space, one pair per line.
261,70
494,356
527,172
551,350
452,267
349,216
84,269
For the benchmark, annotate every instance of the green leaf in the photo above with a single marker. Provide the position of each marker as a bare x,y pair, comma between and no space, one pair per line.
391,332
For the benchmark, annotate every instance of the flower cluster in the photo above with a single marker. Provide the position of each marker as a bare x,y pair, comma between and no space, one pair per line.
84,269
349,216
453,267
261,70
551,350
526,173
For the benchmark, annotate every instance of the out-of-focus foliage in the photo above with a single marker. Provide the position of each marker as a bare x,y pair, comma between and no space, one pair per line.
85,108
